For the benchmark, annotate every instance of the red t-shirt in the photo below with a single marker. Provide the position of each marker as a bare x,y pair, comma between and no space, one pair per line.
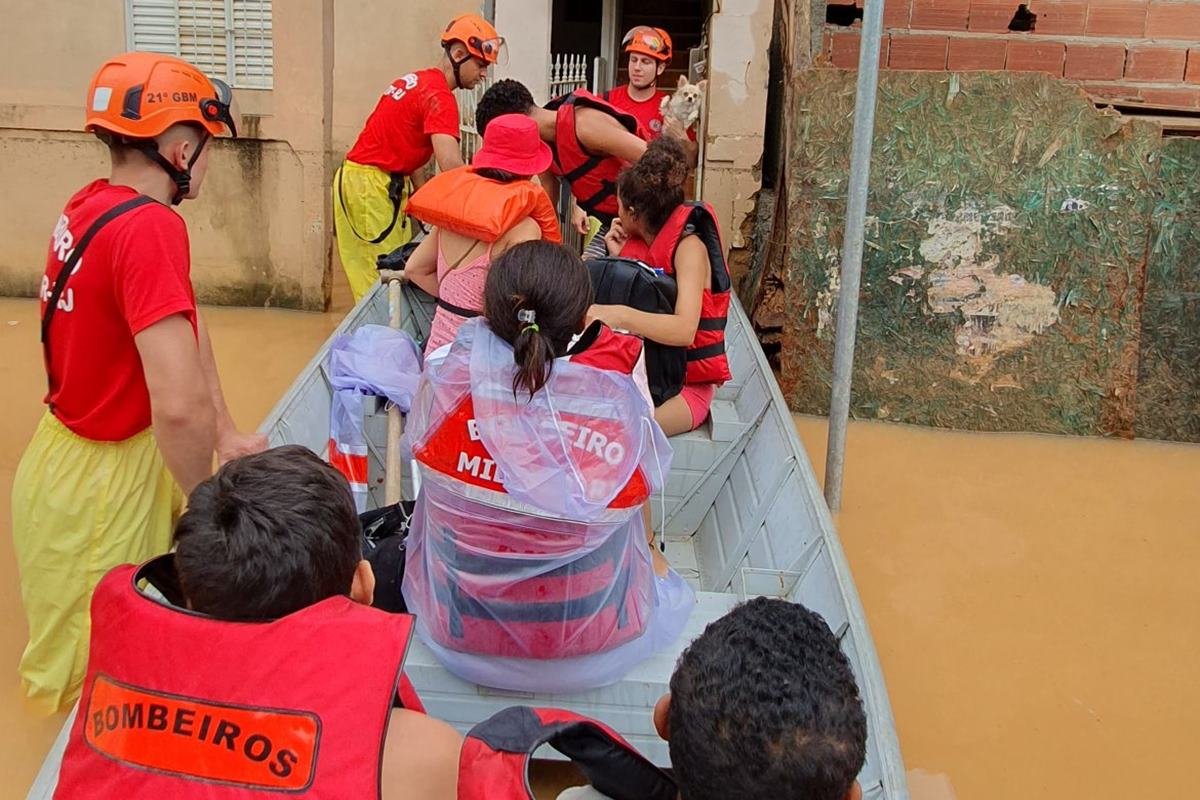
135,272
397,135
647,111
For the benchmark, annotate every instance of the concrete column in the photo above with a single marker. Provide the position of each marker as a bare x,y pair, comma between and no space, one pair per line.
525,26
303,116
739,43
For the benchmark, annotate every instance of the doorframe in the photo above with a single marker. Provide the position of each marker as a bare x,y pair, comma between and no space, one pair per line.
610,37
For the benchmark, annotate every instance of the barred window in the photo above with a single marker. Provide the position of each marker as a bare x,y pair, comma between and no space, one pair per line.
226,39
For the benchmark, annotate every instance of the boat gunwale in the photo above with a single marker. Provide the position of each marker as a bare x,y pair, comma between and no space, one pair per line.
874,692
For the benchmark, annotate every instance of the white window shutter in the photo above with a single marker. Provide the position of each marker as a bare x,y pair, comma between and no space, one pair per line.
152,26
253,43
202,36
226,39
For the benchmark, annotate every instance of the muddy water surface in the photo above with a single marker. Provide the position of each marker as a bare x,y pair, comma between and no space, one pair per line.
1034,602
1033,598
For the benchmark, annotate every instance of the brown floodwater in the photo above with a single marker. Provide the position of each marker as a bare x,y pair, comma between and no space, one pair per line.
1034,602
1032,598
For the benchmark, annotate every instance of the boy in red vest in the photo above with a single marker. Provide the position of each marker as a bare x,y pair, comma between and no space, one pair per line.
257,662
251,660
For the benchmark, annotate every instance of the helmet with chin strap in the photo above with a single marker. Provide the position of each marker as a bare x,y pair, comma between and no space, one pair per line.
480,39
135,97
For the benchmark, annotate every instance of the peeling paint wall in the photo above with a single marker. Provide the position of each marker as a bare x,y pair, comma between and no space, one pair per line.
739,43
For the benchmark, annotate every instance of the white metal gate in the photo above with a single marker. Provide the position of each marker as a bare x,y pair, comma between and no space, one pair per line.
568,72
469,139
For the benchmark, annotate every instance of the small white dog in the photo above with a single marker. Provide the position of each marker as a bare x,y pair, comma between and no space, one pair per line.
684,106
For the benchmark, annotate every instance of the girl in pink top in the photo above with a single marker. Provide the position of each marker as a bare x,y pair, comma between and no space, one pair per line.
453,266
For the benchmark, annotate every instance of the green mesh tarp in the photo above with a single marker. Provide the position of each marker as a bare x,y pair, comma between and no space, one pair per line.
1006,254
1168,395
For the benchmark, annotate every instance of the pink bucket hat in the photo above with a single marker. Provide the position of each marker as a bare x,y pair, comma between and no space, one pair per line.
511,143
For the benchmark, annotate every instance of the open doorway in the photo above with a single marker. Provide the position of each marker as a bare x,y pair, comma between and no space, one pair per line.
593,29
586,50
684,20
577,30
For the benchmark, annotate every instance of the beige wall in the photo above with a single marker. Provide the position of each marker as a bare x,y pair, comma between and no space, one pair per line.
525,26
258,231
375,43
739,41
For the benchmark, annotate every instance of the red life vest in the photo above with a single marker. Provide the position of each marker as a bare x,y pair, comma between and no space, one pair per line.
603,348
593,178
494,762
176,704
706,360
479,208
590,604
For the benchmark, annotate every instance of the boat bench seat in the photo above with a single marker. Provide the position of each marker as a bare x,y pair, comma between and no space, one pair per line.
627,705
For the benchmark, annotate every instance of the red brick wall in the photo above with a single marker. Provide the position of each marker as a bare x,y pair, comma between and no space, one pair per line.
1140,50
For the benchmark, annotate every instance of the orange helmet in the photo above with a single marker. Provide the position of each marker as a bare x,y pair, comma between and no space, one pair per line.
140,95
477,35
653,42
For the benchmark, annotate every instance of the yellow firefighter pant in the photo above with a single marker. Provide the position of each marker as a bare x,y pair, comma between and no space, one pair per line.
361,211
80,508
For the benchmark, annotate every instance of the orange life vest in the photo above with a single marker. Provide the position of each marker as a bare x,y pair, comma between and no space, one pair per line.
462,201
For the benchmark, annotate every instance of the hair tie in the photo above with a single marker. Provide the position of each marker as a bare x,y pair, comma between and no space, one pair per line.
529,317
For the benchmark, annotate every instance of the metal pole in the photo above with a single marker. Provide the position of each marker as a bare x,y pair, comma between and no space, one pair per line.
852,249
395,426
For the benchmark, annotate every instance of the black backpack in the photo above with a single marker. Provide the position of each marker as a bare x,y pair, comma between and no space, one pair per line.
384,543
629,282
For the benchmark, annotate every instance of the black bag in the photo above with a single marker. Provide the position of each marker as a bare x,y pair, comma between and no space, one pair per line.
385,536
628,282
398,258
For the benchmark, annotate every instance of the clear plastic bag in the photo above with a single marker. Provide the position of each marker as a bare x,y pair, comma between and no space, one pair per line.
539,560
374,361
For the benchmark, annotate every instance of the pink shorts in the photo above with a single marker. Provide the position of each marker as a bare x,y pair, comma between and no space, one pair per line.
699,397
